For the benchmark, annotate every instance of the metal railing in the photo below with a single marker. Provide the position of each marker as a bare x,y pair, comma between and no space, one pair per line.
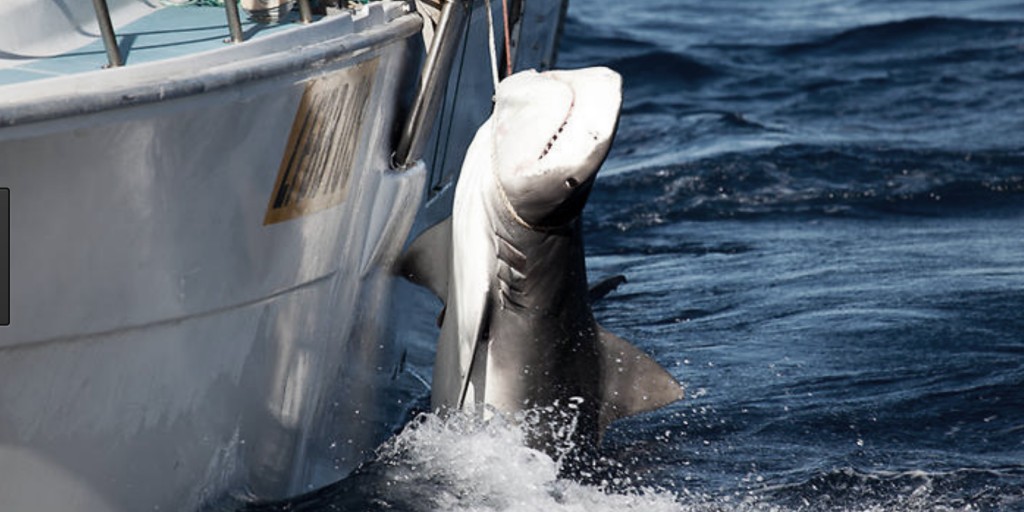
109,36
107,32
430,88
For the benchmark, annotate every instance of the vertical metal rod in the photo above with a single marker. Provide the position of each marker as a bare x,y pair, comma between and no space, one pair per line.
107,32
433,78
305,12
234,21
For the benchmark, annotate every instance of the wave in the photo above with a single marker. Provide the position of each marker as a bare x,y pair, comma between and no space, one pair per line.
640,62
911,490
663,67
583,44
906,33
813,180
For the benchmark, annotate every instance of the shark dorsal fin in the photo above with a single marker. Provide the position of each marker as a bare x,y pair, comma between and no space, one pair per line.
427,261
604,287
632,382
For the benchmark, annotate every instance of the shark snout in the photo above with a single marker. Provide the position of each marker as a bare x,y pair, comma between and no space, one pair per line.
551,135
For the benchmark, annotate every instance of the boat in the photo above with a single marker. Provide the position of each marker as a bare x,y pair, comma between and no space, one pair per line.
204,206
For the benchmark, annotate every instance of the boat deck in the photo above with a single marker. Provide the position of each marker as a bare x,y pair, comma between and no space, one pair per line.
163,34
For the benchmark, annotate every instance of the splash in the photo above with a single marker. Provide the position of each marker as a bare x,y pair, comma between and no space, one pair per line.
463,463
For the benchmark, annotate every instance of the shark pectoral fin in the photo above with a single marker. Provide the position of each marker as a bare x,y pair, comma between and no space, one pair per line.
604,287
427,260
631,382
475,369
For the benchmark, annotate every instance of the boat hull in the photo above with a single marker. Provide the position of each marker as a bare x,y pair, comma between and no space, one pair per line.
201,297
197,288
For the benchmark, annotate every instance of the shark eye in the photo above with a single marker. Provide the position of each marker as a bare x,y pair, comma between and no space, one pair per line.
571,182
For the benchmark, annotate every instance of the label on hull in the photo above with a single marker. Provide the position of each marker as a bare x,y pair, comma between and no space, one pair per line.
323,144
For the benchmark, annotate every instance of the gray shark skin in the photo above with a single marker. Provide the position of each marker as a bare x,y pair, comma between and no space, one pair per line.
517,331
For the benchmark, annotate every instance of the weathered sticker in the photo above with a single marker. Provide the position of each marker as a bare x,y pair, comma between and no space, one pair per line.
323,143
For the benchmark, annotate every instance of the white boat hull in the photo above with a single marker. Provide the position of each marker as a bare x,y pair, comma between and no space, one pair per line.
163,337
200,289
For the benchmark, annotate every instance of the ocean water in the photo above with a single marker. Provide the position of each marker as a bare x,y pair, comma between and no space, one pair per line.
819,207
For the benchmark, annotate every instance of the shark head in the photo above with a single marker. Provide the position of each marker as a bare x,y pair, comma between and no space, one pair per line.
551,133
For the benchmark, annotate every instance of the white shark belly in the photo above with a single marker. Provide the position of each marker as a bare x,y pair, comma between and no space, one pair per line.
473,262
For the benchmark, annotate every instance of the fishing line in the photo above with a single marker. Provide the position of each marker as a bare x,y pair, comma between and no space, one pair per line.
491,45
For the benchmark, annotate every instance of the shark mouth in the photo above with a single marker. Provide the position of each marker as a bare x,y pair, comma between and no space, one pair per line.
554,138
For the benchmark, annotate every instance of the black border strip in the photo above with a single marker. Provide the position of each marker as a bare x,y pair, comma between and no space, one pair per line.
5,256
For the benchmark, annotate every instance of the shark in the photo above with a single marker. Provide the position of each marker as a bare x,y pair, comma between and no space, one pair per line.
517,328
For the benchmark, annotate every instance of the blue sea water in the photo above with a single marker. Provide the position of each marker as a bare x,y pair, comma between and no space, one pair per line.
819,205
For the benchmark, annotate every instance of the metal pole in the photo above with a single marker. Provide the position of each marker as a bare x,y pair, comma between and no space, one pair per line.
305,12
234,21
107,32
433,78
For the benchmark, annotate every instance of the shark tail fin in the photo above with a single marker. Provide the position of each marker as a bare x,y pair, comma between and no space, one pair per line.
632,382
427,260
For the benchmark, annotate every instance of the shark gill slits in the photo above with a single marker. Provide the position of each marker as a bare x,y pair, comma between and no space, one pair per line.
511,278
510,254
508,300
517,276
